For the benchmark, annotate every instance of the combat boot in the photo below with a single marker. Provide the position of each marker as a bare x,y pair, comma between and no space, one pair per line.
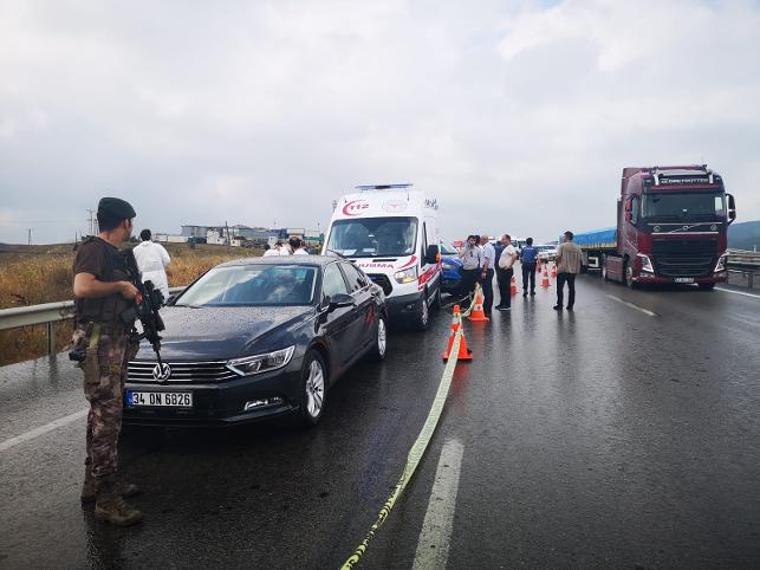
111,507
90,489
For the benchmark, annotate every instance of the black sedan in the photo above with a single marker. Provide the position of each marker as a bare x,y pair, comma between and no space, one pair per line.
257,338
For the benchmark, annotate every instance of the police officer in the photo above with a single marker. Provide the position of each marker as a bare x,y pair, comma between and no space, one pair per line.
102,345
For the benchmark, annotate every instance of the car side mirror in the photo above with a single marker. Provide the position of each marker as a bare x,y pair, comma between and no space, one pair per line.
340,300
731,208
433,254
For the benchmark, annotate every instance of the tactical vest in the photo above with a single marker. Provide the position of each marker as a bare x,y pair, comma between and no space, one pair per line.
106,310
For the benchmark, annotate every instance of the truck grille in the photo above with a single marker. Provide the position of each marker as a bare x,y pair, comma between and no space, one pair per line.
139,371
383,281
684,258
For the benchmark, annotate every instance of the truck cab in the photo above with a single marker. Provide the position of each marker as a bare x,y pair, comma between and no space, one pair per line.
391,232
672,227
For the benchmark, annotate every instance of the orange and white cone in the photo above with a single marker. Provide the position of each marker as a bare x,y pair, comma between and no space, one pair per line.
554,271
514,286
456,324
545,280
478,315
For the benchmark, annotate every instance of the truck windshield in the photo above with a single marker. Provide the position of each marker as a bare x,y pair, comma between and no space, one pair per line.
684,206
374,237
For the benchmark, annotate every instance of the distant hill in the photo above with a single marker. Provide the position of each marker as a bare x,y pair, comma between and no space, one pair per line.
745,235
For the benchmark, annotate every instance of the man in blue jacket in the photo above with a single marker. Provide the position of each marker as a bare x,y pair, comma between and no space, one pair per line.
528,259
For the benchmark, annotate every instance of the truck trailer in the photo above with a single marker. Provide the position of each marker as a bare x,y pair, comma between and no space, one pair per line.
672,224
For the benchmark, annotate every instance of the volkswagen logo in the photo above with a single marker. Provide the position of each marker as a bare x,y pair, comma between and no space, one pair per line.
162,373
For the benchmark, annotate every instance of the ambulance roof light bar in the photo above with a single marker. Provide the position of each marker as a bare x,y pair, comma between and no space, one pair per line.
364,187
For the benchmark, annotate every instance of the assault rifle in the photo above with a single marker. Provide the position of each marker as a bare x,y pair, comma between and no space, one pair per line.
147,304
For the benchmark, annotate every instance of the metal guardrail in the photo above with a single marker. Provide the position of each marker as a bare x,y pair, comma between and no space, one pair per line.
46,314
743,258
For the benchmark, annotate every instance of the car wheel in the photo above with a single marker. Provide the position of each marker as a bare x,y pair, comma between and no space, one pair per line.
313,388
423,317
381,340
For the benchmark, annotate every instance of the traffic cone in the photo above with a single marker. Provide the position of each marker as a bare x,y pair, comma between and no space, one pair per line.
554,271
514,286
478,315
545,280
456,323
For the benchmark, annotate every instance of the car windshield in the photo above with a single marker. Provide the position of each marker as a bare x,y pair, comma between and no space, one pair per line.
252,285
374,237
684,206
448,250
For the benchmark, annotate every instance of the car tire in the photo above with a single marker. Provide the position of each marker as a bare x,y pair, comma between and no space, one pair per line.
380,347
313,388
423,317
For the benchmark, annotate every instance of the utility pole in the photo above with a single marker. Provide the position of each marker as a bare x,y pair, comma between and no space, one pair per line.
29,236
92,221
227,231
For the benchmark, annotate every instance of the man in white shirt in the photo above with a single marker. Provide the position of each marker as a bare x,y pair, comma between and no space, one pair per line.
152,259
471,260
504,273
298,246
488,264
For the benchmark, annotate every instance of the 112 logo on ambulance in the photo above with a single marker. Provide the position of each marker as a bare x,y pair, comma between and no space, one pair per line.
355,207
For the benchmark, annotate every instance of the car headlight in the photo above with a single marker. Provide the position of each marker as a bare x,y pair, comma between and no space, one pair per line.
406,276
721,265
646,263
262,362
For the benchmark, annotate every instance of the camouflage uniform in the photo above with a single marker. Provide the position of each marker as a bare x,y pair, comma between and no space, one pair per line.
103,334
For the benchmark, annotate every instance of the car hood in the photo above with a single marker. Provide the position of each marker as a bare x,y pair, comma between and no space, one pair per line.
220,333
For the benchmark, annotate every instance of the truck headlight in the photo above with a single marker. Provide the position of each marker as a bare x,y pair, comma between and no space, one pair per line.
721,265
646,263
262,362
406,276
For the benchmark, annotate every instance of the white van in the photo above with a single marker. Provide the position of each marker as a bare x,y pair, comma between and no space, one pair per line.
391,232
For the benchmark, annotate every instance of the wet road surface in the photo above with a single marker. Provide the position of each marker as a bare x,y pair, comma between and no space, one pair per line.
624,434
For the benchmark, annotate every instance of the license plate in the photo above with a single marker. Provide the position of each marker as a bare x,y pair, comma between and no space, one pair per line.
684,280
159,399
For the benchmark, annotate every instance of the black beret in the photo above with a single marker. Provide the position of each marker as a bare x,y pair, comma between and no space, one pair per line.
115,208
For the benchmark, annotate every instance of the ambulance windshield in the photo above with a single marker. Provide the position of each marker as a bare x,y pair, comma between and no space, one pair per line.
374,237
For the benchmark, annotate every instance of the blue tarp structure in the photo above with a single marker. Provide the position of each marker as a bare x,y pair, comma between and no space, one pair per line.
597,239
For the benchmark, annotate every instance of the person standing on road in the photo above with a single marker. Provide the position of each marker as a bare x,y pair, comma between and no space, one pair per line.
471,261
569,257
528,258
152,259
298,246
504,273
487,272
102,348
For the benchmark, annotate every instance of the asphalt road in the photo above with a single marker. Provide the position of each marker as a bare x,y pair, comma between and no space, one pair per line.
625,434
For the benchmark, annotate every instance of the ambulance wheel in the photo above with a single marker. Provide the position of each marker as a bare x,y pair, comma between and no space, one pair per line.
423,317
437,301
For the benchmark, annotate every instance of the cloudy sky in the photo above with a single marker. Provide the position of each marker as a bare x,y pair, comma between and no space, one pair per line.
518,116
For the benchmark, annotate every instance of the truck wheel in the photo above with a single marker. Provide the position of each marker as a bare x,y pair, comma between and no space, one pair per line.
630,283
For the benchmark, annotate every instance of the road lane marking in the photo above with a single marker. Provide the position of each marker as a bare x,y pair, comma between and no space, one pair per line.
633,306
435,536
742,293
42,430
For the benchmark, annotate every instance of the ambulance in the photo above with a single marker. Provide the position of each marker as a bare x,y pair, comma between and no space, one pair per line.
391,232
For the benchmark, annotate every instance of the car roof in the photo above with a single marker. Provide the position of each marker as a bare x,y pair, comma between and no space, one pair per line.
305,260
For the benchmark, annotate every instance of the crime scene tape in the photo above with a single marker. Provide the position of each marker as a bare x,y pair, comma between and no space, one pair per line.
415,453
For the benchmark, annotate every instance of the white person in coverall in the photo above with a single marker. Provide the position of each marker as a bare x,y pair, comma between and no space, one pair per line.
152,259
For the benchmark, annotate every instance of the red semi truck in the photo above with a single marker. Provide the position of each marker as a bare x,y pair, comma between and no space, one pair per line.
672,223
